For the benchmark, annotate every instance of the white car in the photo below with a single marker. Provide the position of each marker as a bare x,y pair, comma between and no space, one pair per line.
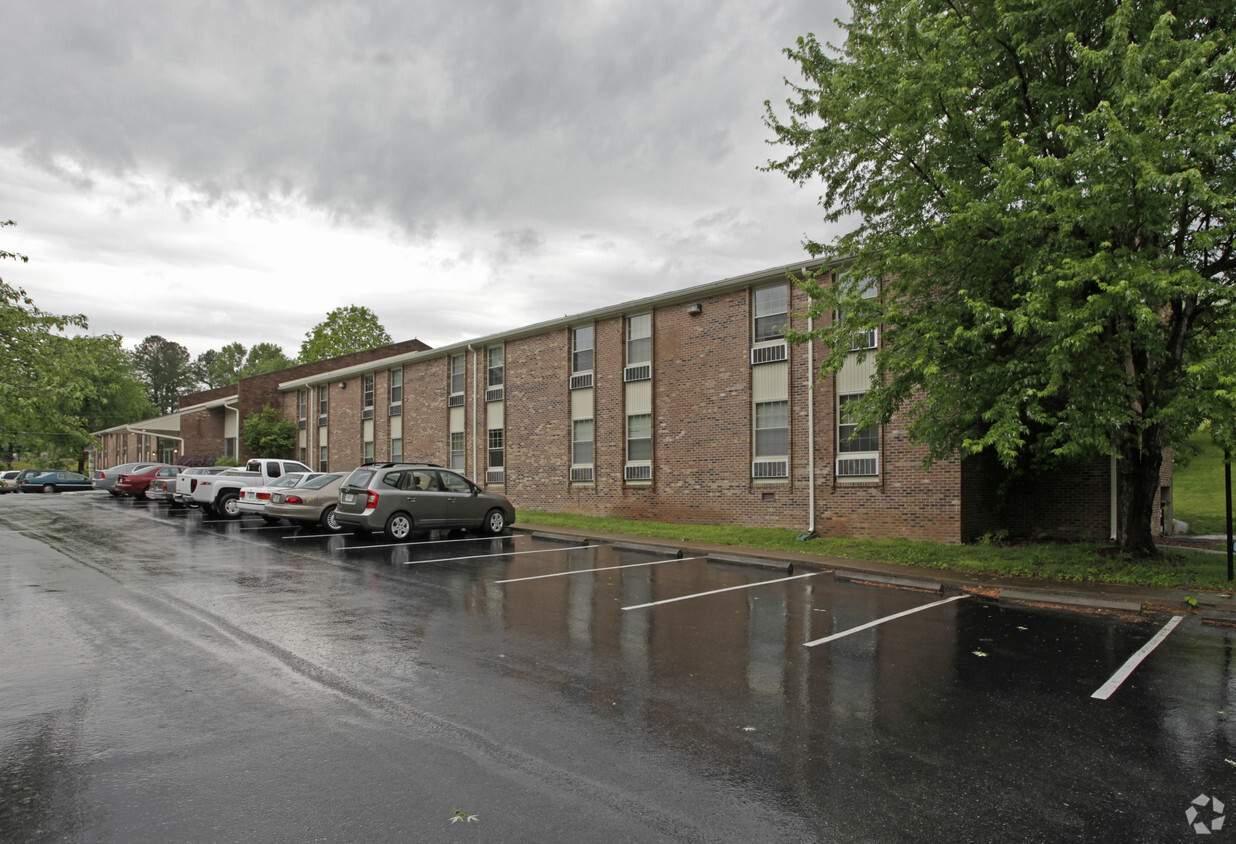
8,481
253,499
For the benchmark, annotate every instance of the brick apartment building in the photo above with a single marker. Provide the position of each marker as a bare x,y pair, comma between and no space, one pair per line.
683,407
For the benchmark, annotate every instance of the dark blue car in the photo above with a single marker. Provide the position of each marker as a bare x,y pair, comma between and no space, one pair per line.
55,481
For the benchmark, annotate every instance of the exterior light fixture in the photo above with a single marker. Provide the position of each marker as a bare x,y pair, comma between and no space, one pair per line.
695,309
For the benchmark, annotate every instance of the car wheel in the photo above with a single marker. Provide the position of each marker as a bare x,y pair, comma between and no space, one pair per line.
329,521
495,522
228,505
49,488
398,527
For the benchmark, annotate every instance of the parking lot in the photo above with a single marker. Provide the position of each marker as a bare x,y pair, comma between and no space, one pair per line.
172,677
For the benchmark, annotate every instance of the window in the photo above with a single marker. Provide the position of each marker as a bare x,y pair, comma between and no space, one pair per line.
229,447
367,391
457,451
302,454
771,312
582,442
581,349
323,399
639,339
322,458
495,368
457,373
302,404
639,437
772,429
396,385
367,451
396,449
495,448
850,438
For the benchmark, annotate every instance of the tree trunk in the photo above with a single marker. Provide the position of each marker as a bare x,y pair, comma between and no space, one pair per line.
1139,460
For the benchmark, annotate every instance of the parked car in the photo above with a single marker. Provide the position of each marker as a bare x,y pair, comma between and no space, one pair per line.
399,498
106,478
162,489
136,483
313,502
27,476
56,482
253,499
8,481
220,495
186,484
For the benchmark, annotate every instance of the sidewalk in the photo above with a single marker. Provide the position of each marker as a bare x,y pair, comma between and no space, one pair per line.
1104,597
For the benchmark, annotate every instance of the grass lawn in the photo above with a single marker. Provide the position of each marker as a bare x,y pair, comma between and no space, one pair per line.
1198,491
1075,562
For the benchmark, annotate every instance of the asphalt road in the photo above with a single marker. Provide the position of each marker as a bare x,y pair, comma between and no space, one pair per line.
165,678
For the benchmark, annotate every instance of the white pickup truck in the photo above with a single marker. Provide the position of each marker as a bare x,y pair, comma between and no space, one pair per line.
218,494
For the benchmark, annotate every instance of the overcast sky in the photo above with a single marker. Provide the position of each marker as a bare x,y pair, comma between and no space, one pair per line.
231,171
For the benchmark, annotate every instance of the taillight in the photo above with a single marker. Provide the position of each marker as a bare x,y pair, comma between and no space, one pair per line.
293,499
263,496
371,500
193,485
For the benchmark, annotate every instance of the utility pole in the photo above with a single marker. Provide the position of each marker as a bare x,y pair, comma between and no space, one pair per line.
1227,477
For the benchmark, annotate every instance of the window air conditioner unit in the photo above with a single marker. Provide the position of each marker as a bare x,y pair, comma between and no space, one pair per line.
493,394
581,475
858,467
456,400
495,476
367,413
642,472
579,382
769,354
637,372
770,469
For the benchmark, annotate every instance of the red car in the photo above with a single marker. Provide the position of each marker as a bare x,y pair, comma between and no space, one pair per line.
136,483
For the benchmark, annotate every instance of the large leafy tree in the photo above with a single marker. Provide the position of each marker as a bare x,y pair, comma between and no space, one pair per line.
33,372
269,434
353,328
165,369
233,362
1046,189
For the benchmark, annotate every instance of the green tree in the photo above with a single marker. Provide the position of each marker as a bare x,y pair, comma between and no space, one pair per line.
1046,190
268,434
165,370
345,330
111,392
33,370
264,357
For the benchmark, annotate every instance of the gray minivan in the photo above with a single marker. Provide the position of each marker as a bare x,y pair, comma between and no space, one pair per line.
400,498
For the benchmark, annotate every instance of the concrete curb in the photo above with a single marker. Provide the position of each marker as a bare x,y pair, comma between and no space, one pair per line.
887,580
1046,596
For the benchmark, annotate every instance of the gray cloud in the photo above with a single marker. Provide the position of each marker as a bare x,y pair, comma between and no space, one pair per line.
573,148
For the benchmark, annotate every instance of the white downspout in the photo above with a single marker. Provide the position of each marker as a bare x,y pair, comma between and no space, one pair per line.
810,427
475,468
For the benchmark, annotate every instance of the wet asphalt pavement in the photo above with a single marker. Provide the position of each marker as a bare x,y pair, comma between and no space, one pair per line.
163,678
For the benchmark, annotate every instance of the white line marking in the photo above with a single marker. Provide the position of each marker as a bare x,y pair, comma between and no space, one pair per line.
605,568
421,544
487,556
879,621
719,591
1109,688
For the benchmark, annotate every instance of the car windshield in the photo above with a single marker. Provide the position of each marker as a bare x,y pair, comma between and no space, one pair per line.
319,482
290,479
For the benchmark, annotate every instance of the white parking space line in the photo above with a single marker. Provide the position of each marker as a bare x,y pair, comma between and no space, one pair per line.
603,568
499,554
879,621
268,527
719,591
1109,688
409,544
